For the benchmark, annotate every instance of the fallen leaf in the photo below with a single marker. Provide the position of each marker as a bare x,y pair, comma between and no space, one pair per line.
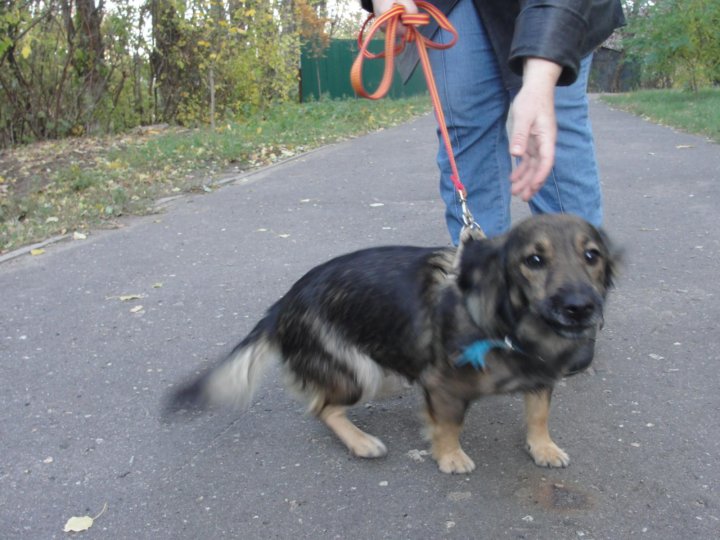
157,285
38,251
82,523
79,236
129,297
136,309
78,524
681,146
115,165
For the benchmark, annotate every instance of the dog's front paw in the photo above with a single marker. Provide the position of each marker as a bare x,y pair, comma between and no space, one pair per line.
548,454
367,446
455,462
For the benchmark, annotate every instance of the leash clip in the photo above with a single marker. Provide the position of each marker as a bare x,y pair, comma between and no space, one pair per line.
467,217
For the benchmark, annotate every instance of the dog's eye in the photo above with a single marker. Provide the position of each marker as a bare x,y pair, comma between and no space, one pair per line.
535,261
592,256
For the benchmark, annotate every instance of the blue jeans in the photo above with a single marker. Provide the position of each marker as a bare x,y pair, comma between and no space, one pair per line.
476,103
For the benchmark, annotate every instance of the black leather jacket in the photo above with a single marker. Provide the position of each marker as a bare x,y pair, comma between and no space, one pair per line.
563,31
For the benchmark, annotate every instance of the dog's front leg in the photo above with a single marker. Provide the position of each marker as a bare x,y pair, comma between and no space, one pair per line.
541,447
445,416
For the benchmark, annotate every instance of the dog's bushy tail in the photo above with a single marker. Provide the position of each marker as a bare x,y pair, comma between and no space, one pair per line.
231,382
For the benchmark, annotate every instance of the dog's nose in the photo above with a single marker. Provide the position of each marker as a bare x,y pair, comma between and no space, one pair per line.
577,306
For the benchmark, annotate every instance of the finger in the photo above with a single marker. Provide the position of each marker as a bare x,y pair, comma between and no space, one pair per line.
532,171
519,138
530,177
544,161
522,180
409,5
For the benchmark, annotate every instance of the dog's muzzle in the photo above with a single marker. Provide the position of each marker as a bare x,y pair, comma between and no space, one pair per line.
573,312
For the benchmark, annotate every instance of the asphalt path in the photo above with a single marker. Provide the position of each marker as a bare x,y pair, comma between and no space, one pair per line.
93,332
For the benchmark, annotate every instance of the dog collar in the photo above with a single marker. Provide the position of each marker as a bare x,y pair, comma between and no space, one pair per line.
474,354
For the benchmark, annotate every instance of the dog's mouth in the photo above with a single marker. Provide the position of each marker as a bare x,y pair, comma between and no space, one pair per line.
573,315
572,331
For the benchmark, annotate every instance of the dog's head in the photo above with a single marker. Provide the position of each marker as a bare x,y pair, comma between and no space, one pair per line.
550,273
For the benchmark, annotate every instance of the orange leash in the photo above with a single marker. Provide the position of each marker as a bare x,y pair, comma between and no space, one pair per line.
391,19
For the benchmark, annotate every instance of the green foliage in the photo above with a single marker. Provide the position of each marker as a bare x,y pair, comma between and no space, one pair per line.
57,78
73,67
677,42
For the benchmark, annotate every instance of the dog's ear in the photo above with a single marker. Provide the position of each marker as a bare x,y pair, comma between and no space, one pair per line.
467,235
614,260
481,265
481,278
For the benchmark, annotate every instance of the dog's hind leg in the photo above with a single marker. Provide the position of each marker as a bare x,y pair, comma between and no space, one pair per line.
358,442
541,447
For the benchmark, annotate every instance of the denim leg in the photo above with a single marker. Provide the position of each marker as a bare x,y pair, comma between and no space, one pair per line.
475,104
573,185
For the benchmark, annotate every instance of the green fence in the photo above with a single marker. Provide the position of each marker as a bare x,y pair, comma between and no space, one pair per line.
330,75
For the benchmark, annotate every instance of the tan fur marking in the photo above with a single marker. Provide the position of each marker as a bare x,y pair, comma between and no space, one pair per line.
541,447
446,450
358,442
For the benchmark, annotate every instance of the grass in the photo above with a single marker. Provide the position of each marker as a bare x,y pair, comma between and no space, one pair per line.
55,187
694,112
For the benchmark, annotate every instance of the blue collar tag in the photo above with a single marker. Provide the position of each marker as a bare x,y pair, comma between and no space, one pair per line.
474,354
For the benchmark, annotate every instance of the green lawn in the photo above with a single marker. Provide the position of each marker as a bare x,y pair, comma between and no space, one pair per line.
694,112
57,187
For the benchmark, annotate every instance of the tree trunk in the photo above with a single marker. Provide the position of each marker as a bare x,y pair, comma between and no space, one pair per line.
211,77
165,71
89,60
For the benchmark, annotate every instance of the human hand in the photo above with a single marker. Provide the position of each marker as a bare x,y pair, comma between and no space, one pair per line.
533,128
381,6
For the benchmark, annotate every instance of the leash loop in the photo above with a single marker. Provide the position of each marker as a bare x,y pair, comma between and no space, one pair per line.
393,46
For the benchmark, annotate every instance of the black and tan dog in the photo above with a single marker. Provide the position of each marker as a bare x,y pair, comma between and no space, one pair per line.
497,316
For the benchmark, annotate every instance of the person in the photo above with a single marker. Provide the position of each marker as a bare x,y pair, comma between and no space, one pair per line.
527,62
514,92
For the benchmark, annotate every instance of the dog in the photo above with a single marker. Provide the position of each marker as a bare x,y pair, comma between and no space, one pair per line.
493,316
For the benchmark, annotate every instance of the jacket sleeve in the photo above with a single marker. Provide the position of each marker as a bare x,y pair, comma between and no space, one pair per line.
554,30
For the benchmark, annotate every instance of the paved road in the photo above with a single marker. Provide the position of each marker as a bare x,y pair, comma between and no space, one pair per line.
82,371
